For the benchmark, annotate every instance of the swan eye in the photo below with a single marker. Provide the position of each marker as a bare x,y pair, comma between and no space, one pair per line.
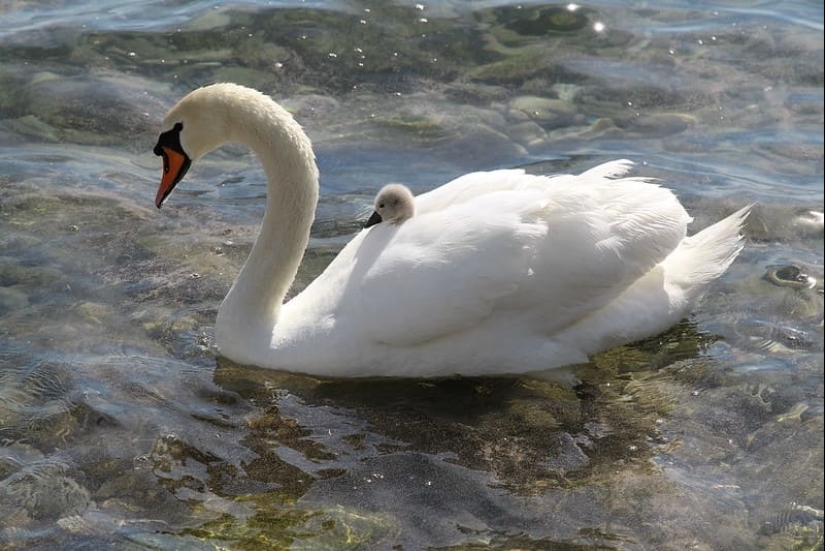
381,205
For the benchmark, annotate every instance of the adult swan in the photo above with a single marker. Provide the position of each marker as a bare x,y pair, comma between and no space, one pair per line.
498,272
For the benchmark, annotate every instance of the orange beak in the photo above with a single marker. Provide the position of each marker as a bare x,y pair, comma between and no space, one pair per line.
175,165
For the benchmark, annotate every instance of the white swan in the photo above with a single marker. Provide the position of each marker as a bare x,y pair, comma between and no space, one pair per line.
394,203
498,272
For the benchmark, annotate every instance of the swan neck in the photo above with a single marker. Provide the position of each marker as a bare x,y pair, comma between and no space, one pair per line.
292,195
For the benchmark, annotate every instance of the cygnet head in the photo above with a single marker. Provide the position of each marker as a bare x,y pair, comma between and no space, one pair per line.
394,203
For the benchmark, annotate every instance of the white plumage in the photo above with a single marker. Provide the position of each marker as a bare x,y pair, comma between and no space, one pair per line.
497,273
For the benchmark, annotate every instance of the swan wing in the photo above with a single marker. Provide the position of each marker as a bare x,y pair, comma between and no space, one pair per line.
475,184
547,252
443,272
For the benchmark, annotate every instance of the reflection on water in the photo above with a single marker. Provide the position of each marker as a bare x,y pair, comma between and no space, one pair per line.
120,428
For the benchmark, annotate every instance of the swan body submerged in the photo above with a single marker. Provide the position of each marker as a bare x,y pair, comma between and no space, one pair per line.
498,272
394,204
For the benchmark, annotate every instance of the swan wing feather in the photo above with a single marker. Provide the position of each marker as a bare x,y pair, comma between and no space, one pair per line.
550,250
465,260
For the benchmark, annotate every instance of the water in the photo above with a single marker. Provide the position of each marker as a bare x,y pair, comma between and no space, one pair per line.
119,428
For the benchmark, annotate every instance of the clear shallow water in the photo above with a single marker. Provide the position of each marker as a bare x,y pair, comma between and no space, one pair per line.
120,428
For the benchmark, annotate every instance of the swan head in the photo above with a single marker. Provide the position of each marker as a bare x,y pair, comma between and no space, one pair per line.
394,203
200,122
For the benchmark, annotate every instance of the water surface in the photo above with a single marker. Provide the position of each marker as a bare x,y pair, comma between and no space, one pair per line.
119,426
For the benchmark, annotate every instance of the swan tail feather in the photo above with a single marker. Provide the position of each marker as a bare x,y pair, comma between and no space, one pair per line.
609,170
705,256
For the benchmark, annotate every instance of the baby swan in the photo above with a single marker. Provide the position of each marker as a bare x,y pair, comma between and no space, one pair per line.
394,203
